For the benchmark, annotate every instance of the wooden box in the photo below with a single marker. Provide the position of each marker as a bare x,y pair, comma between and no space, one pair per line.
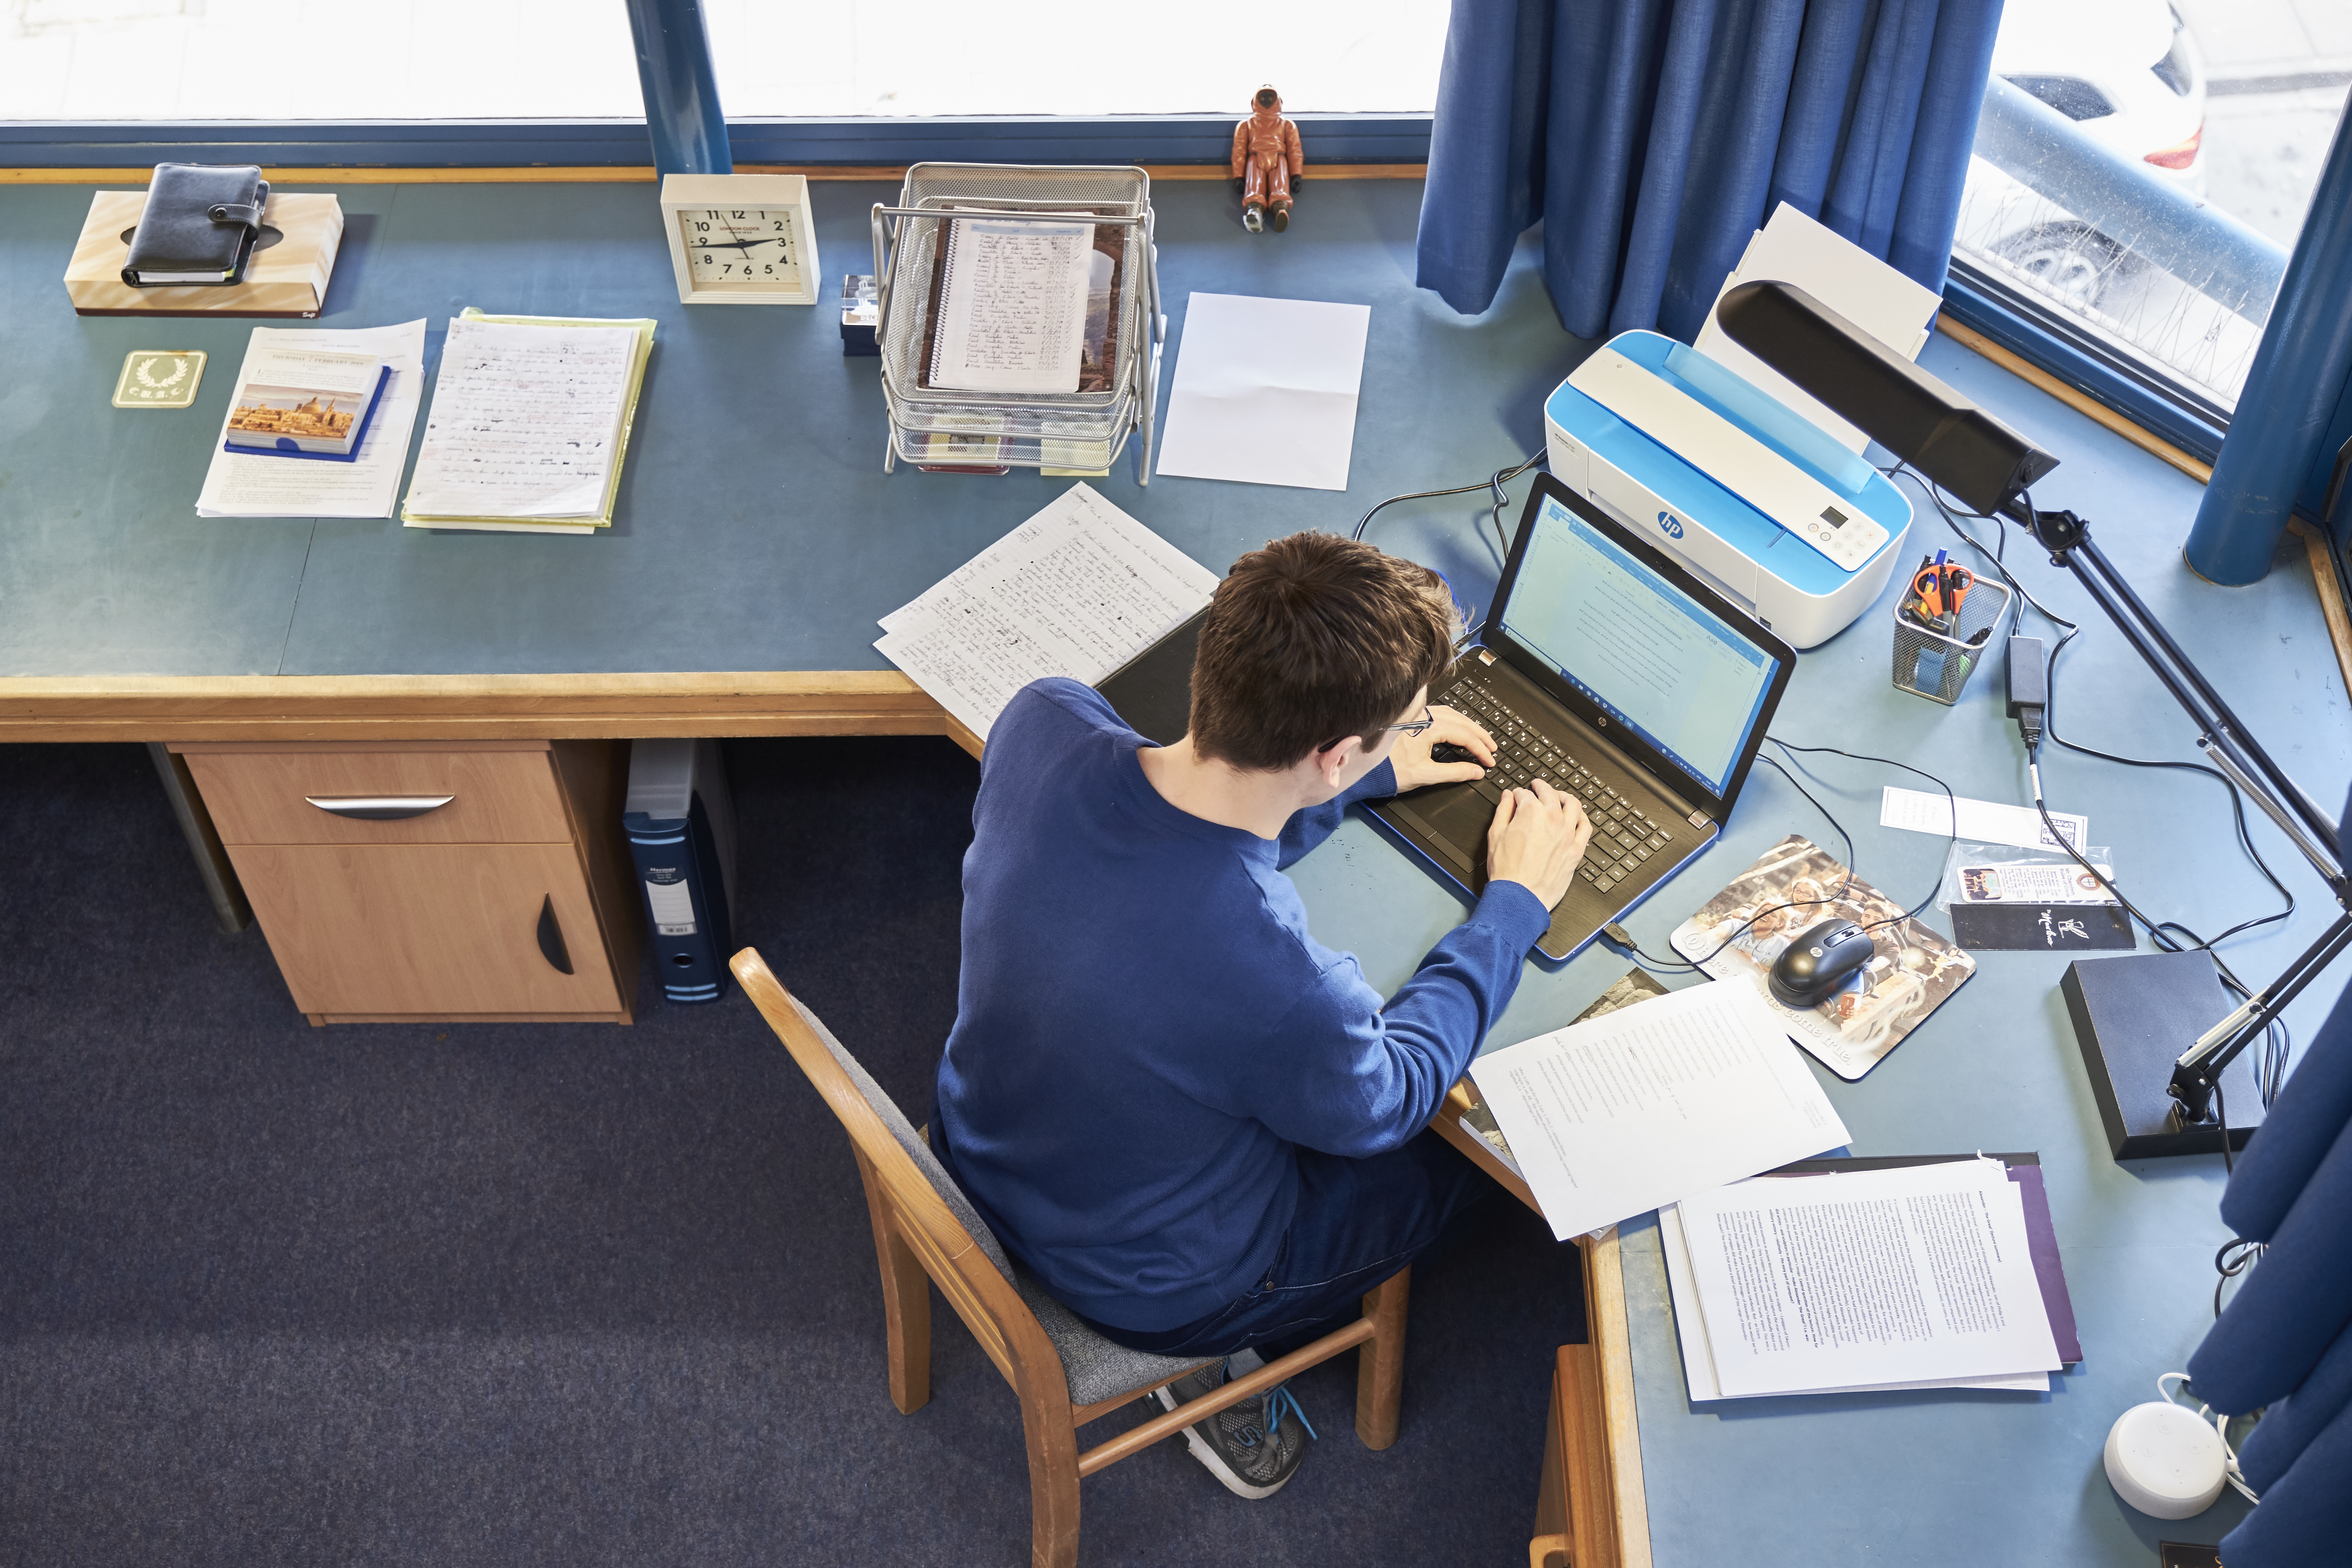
287,279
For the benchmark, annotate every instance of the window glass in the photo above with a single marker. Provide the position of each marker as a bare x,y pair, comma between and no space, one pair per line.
2101,214
476,59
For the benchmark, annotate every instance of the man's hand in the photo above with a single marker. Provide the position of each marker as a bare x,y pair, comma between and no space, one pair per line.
1415,769
1537,838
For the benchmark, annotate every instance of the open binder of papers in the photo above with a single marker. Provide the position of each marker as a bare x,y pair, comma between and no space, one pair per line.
530,424
1077,590
1855,1276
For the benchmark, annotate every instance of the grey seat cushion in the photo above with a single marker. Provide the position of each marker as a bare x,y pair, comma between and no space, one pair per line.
1095,1368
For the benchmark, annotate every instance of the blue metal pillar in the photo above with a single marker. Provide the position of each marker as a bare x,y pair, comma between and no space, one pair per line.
689,132
2299,378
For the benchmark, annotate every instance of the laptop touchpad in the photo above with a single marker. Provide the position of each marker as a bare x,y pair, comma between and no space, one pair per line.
1458,815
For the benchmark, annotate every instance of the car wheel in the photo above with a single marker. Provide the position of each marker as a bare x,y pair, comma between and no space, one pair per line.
2073,260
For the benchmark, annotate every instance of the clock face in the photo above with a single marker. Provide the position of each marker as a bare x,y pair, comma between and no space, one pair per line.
753,249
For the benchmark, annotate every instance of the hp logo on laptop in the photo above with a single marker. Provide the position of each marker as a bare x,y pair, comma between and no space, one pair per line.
1671,524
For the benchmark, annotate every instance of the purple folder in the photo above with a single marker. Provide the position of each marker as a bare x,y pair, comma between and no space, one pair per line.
2040,1238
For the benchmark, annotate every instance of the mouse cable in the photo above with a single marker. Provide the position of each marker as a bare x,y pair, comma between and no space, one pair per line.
1619,937
1494,482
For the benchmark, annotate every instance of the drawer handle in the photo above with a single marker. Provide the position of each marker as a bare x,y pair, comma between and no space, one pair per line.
550,937
379,808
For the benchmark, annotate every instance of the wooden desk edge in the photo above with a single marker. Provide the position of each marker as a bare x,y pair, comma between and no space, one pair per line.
469,707
1604,1304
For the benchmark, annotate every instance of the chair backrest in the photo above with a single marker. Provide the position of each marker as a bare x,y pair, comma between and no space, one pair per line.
958,1251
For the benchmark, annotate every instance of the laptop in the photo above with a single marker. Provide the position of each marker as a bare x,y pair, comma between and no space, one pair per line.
1605,668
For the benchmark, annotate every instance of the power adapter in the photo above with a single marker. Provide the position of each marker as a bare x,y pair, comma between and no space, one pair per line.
2029,687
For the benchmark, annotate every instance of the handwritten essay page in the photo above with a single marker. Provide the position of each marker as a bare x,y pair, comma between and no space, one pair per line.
1013,314
1077,590
1915,1276
526,421
240,484
1649,1104
1266,390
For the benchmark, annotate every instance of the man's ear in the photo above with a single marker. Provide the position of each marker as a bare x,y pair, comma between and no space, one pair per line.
1333,761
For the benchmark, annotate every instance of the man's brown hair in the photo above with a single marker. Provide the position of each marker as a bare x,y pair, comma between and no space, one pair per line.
1310,640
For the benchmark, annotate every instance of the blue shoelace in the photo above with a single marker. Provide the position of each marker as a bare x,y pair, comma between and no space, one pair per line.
1277,1402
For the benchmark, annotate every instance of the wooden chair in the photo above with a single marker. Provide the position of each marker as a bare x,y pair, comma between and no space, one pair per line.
1065,1373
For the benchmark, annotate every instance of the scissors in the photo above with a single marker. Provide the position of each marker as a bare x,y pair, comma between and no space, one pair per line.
1941,588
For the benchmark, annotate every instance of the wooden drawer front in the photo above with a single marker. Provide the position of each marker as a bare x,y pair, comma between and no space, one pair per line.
428,929
500,797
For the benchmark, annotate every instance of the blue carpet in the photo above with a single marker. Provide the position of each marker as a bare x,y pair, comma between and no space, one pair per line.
511,1295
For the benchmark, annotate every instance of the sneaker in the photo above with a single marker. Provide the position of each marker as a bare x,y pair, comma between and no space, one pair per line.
1253,1448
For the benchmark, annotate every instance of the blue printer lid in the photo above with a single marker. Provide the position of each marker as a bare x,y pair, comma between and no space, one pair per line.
1728,514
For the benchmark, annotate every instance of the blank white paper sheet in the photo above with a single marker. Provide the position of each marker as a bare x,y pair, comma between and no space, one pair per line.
1266,390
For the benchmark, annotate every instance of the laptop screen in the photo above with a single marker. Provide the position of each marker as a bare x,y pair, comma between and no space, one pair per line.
1683,679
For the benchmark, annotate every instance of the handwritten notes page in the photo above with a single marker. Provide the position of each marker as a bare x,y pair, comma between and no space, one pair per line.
526,421
1915,1276
1654,1102
240,484
1077,590
1012,313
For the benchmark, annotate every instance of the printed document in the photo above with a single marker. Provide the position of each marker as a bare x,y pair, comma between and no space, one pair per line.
1077,590
1013,305
1924,811
526,421
1649,1104
242,484
1266,390
1915,1276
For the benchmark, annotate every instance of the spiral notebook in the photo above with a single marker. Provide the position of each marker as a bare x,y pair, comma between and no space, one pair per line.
1012,312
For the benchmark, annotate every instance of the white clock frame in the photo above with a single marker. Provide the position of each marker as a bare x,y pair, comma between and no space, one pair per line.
685,193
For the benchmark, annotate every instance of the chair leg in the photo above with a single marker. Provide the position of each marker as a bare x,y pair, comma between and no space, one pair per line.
1053,1445
1380,1363
906,1300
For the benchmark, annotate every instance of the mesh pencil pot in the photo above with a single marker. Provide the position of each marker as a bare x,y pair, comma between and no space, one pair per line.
1937,664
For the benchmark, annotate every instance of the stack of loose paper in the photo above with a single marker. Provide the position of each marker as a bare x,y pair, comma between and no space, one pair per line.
1916,1276
1077,590
1652,1103
250,484
530,420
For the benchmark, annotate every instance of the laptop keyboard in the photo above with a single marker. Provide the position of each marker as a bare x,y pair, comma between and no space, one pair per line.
1624,837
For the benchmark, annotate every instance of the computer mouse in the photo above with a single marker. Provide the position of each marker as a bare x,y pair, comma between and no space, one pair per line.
1818,963
1447,752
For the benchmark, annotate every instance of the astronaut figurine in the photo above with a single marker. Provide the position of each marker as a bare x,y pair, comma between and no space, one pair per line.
1267,160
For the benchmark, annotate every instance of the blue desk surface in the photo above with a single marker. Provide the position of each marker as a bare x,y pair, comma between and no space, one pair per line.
756,530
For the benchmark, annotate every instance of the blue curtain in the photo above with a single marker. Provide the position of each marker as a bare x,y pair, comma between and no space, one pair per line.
2284,1342
1653,137
2296,409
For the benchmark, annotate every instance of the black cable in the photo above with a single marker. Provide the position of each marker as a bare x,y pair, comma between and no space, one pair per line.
2277,1043
1494,482
2247,1254
1620,938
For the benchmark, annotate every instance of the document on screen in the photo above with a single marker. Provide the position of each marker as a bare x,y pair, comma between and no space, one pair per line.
1915,1274
1652,1103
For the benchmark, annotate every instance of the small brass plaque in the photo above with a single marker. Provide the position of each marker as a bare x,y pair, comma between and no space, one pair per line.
159,378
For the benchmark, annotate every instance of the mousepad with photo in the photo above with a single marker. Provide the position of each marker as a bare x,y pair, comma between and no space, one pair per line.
1912,969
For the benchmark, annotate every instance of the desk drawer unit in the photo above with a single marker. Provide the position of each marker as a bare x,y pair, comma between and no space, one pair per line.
433,881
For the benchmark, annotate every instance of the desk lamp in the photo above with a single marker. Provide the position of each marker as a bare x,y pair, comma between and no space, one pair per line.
1958,447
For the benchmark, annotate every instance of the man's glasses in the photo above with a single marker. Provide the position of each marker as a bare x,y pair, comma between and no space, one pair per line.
1412,726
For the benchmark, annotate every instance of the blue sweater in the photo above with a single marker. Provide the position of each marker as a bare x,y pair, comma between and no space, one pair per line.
1145,1030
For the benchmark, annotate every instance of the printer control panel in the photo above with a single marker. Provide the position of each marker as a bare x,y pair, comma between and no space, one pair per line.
1829,522
1841,533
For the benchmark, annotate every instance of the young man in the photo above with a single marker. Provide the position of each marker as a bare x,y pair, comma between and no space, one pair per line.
1200,1128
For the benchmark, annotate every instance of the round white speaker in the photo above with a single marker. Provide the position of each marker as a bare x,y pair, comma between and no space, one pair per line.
2165,1460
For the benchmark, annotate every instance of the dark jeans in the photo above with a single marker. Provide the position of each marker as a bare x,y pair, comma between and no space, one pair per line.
1357,1222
